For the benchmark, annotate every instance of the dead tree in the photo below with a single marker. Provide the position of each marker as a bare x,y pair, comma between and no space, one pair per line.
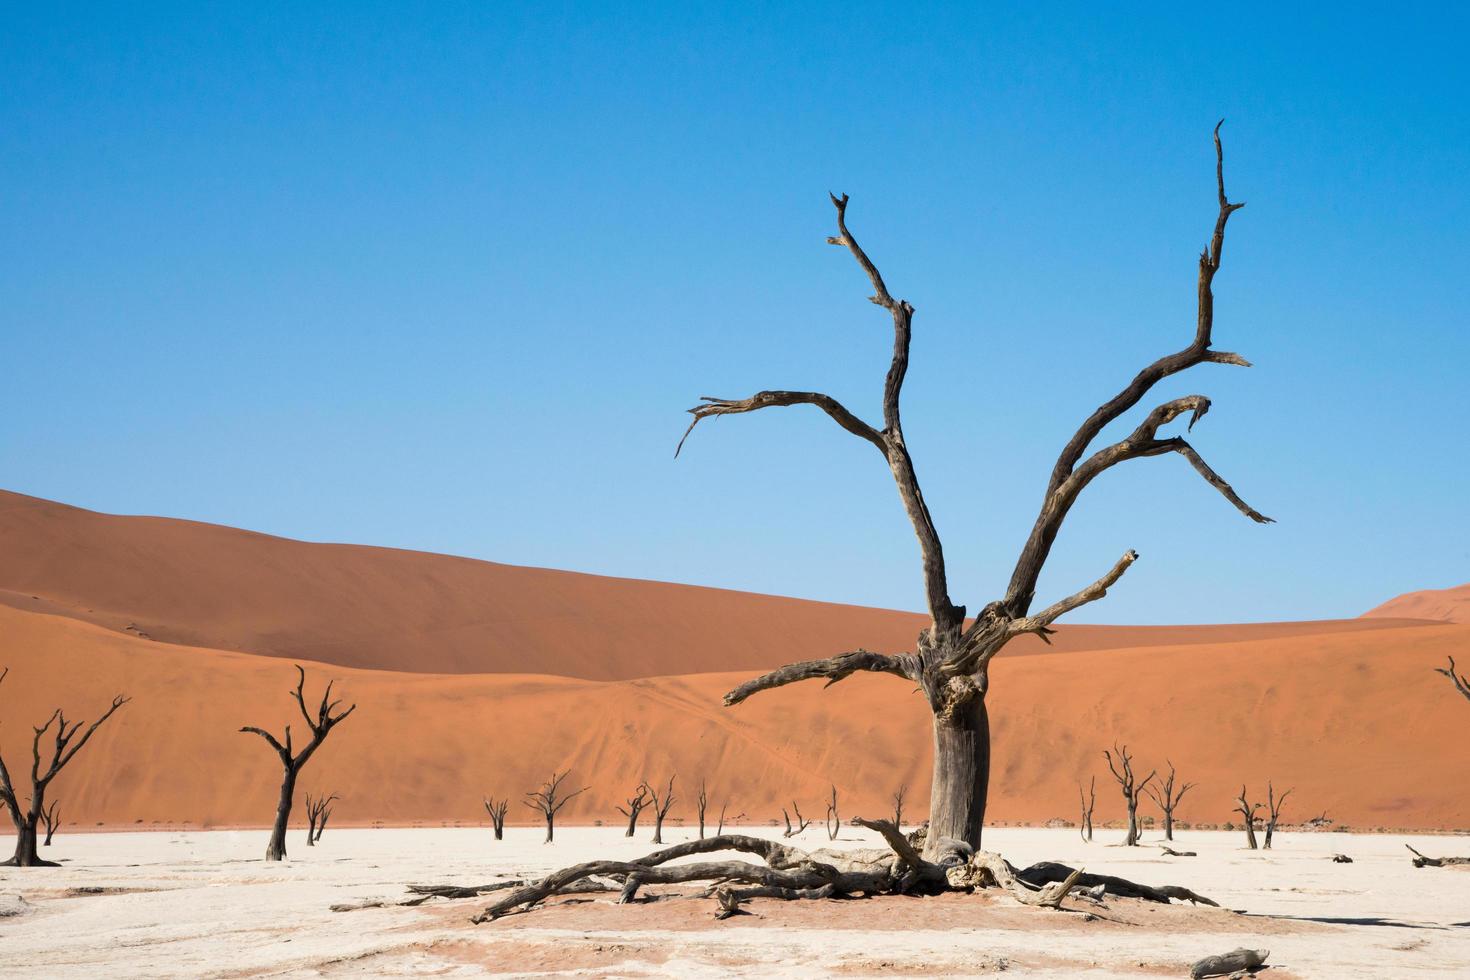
898,806
721,828
292,762
496,809
661,807
1122,769
549,800
834,820
65,744
636,803
1462,684
701,803
316,817
950,661
1274,804
51,817
1166,798
1248,811
801,824
1084,825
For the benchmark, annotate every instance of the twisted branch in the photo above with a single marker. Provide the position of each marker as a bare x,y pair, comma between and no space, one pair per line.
833,668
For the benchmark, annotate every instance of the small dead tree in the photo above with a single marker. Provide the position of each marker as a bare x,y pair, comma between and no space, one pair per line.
51,817
1248,812
635,806
317,809
950,659
65,744
549,800
292,762
1166,798
1122,768
1274,804
701,803
496,809
1461,682
1084,825
720,830
801,824
661,805
898,806
834,820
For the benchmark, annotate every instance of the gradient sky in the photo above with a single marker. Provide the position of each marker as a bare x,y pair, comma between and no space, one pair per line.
446,278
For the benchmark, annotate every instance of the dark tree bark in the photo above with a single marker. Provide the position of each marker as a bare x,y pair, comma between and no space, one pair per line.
1084,825
51,817
292,761
496,809
951,658
1166,798
799,826
65,744
1424,861
720,829
549,800
834,820
1274,804
316,817
661,807
1461,682
1122,769
1237,962
701,803
1248,811
635,806
898,806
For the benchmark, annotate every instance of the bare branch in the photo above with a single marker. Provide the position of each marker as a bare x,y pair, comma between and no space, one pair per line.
1094,592
1459,680
781,399
833,668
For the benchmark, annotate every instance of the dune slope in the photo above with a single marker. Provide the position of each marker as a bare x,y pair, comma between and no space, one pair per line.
1447,605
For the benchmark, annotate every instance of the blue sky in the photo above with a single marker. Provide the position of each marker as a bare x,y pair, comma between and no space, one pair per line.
446,278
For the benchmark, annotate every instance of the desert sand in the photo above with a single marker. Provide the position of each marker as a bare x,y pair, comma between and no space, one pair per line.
204,905
1449,605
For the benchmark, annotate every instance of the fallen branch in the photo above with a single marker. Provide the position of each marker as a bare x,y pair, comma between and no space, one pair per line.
1178,854
1424,861
1225,964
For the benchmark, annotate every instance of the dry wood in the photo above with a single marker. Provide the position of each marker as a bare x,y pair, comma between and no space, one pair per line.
1342,859
1167,798
950,661
549,799
1225,964
51,817
1462,684
801,824
898,806
635,806
1084,824
834,819
701,805
1248,811
1424,861
1179,854
65,744
661,807
316,817
497,809
1122,769
1274,804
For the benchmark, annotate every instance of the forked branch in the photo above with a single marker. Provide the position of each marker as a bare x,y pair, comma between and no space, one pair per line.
1459,680
833,669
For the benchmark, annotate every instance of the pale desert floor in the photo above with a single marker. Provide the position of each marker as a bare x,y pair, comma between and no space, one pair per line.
203,904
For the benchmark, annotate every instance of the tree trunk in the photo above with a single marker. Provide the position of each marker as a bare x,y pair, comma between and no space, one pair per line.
1132,839
658,828
632,823
276,849
961,776
1168,825
25,846
550,828
1250,834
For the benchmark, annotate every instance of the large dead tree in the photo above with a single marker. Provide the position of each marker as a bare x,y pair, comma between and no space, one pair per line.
1166,798
549,799
65,743
1274,804
320,724
1084,824
496,809
661,805
635,806
1248,811
317,811
1461,682
951,658
1131,786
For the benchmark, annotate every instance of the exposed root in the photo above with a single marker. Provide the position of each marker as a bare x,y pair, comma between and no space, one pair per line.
1424,861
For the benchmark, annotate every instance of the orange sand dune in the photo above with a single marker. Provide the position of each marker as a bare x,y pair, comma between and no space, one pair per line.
202,585
1447,605
1357,722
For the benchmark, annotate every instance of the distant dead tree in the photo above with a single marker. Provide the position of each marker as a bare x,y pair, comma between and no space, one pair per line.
1274,804
1248,811
51,817
635,806
292,762
549,800
317,810
1084,825
801,824
1166,798
661,805
1462,684
496,809
898,806
720,830
701,803
65,745
1122,768
834,820
951,658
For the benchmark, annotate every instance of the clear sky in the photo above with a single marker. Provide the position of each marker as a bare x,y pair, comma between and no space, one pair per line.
446,276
